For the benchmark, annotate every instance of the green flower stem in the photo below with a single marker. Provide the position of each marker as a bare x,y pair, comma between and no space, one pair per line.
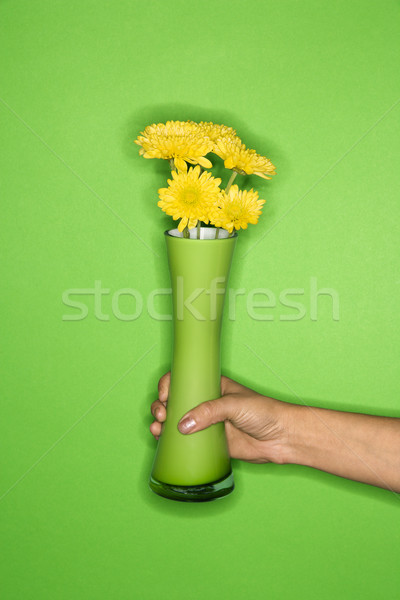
228,187
231,180
172,164
186,233
198,229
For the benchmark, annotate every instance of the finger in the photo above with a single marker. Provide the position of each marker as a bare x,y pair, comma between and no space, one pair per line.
208,413
163,387
155,429
229,386
158,411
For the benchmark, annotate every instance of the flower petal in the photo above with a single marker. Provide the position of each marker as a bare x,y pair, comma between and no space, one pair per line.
181,164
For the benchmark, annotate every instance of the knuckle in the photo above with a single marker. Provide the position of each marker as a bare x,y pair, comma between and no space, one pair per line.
208,410
155,408
163,381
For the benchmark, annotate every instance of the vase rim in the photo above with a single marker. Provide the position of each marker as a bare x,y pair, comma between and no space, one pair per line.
175,233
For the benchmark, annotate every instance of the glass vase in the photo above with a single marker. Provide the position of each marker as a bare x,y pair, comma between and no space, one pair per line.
195,467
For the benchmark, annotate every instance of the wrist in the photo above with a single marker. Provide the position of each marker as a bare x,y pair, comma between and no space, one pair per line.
293,439
306,440
280,446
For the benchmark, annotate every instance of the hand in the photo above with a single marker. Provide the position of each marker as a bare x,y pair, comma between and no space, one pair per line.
260,429
254,424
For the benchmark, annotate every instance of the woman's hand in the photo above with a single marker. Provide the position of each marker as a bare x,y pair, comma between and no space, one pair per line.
255,425
260,429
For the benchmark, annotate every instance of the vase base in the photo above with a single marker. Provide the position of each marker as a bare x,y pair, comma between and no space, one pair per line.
194,493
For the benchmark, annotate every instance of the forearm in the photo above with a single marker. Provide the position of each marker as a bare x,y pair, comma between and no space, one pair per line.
356,446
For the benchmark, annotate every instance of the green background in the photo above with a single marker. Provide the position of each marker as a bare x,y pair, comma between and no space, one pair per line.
314,86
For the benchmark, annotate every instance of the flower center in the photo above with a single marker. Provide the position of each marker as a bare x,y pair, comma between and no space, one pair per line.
234,211
190,196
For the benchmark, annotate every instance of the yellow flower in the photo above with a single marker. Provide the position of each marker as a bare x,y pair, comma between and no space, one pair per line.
190,196
180,140
236,209
243,160
215,132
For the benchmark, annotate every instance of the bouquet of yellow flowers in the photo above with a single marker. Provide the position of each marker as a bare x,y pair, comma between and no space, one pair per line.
193,195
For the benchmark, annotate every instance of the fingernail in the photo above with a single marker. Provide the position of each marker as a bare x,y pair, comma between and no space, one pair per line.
186,425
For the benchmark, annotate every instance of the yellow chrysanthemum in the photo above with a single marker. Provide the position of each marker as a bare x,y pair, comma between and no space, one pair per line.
190,196
216,132
180,140
243,160
237,209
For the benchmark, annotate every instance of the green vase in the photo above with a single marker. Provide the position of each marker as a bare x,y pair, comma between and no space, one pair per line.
195,467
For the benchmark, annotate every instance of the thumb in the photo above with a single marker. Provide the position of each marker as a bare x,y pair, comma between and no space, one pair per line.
206,414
